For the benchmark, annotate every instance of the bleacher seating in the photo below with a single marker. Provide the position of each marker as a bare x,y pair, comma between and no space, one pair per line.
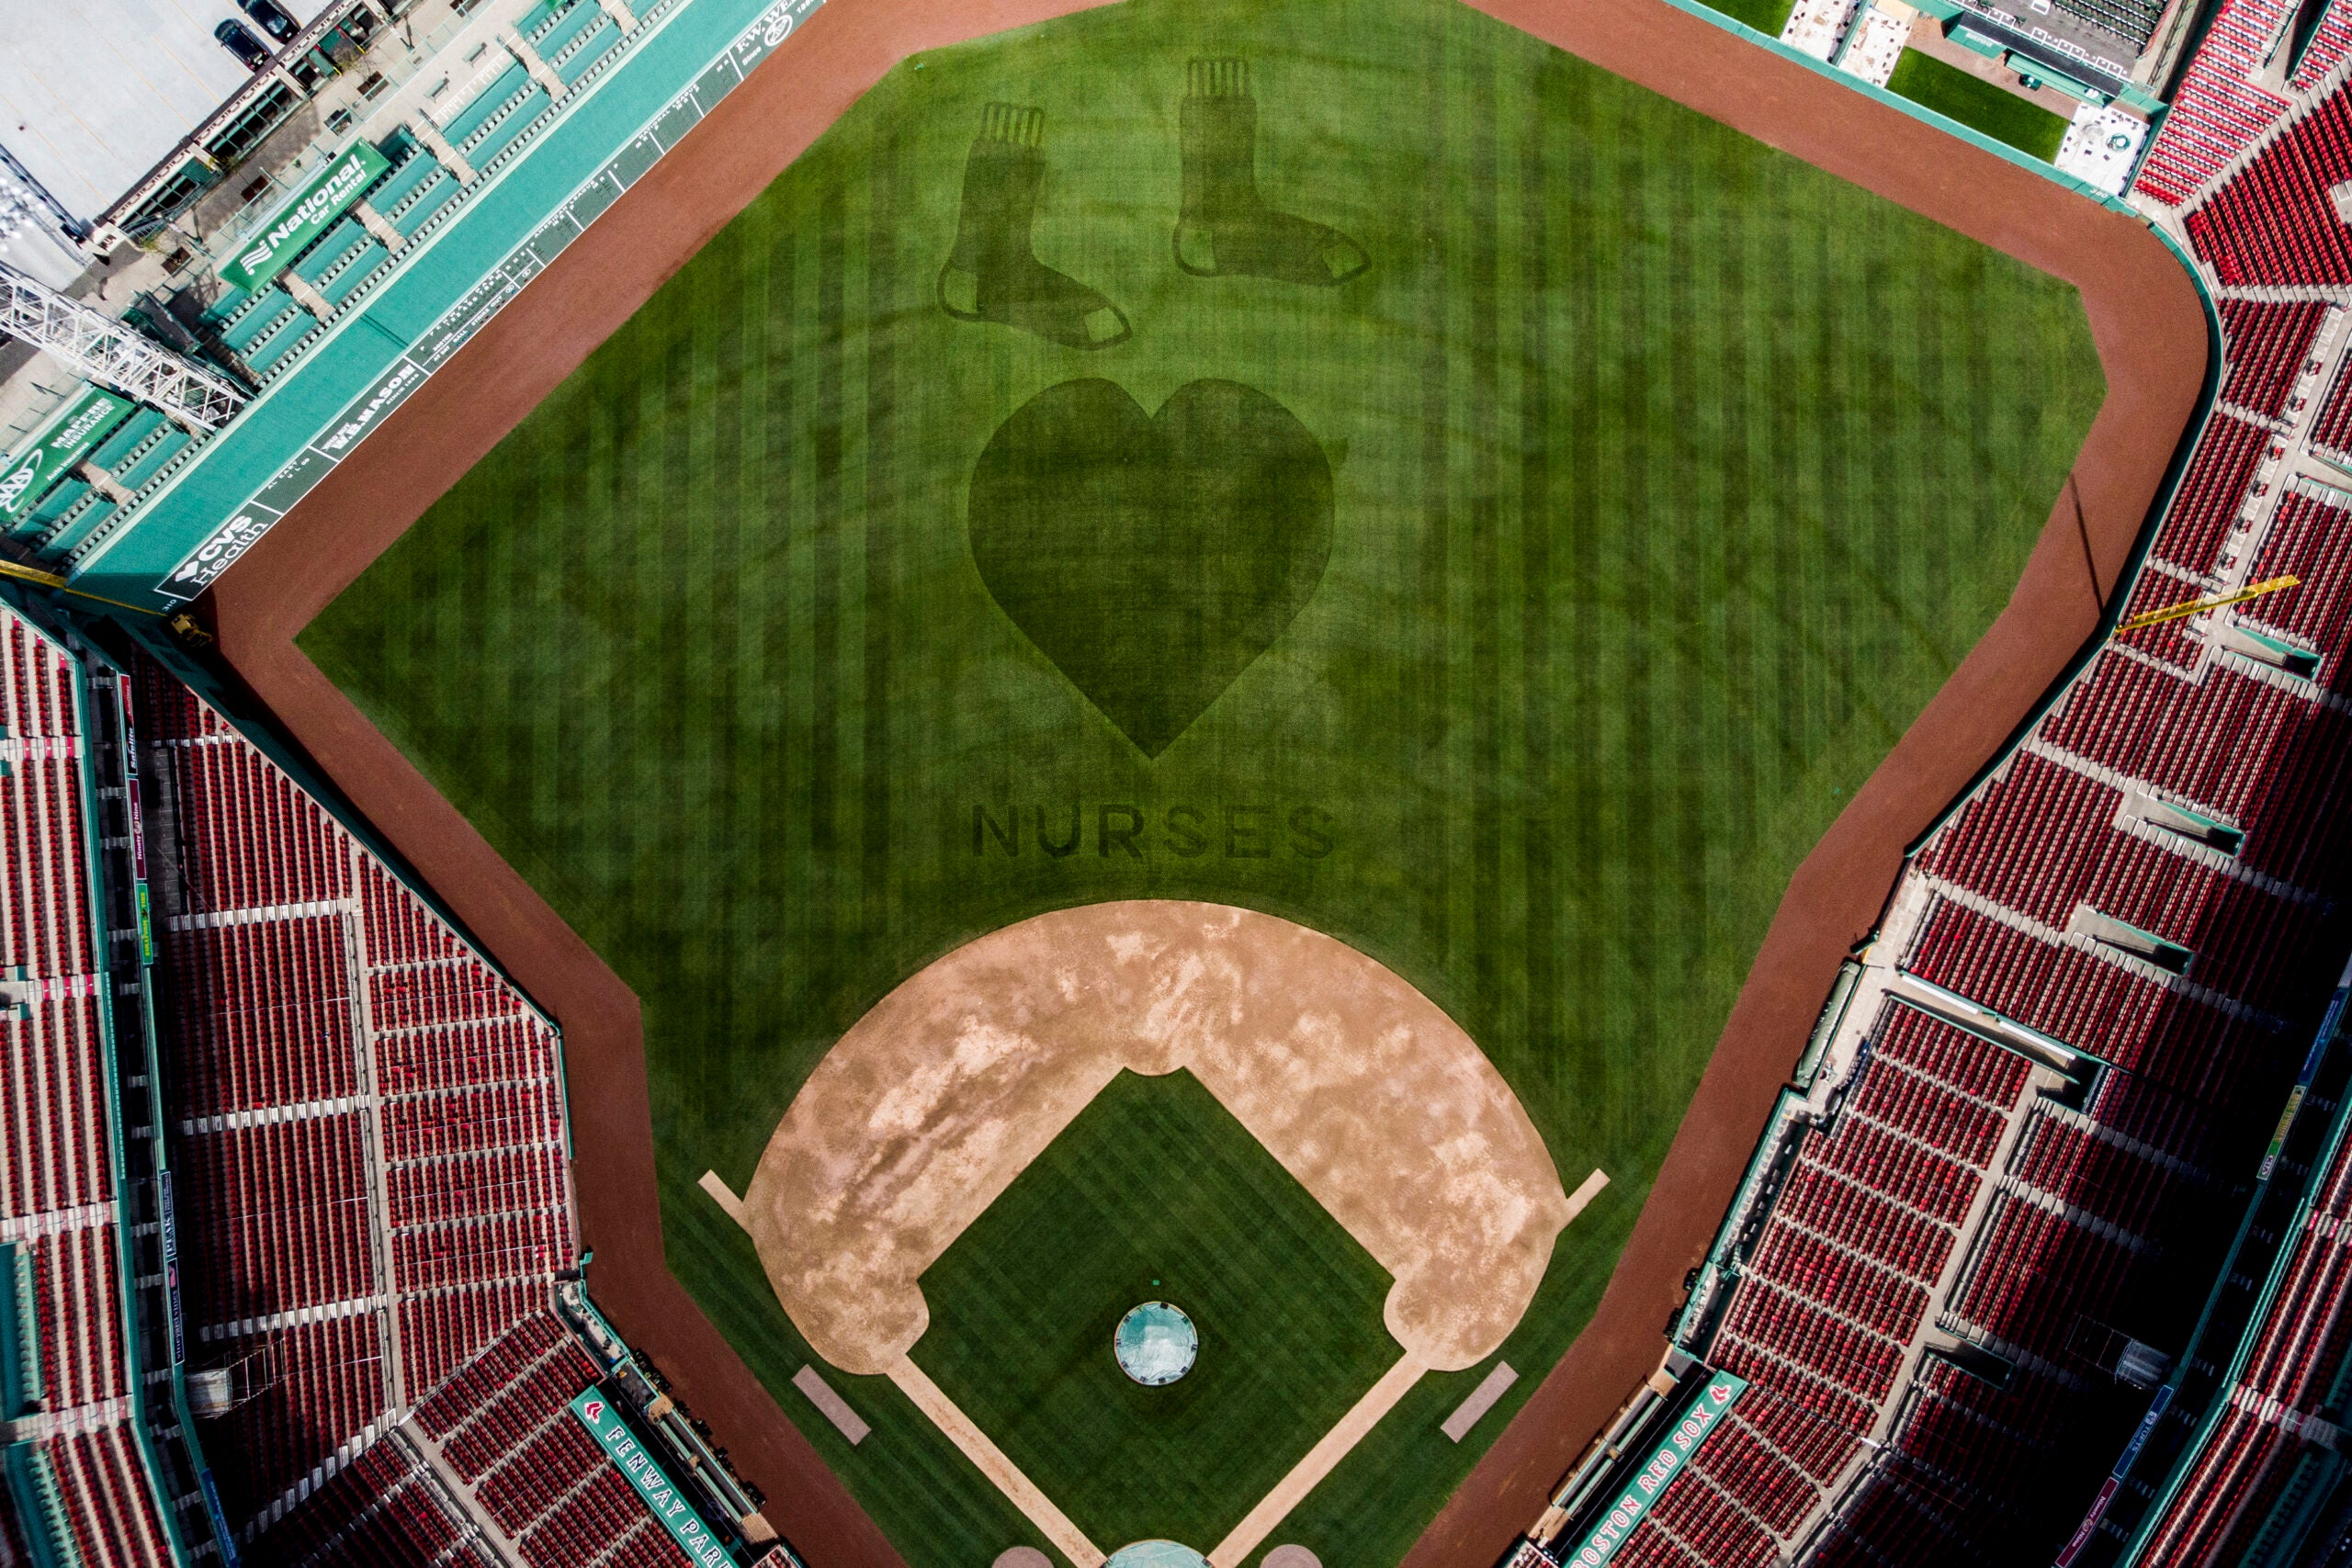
2331,431
1838,1287
379,1509
2211,492
2275,222
2294,1354
1842,1283
375,1196
2216,111
105,1493
269,329
2267,346
2310,540
504,1425
2331,42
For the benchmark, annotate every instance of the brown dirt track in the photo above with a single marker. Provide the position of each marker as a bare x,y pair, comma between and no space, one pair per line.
2151,335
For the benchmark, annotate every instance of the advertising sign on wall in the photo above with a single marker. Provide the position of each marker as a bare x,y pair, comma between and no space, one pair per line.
652,1483
312,211
87,420
1641,1494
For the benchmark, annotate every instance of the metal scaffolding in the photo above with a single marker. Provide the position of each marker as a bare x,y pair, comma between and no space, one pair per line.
99,348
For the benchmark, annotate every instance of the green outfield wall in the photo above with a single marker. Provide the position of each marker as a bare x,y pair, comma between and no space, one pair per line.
166,549
685,57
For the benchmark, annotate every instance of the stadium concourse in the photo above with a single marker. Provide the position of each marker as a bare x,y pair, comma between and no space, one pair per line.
286,1227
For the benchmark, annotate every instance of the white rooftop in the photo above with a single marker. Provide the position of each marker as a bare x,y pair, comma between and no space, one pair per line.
94,93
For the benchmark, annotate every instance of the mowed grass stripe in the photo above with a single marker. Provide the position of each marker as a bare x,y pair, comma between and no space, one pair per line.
1485,932
1427,701
1538,957
880,525
1570,691
825,437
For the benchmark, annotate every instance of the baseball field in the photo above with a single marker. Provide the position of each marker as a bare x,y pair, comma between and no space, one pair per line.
1351,462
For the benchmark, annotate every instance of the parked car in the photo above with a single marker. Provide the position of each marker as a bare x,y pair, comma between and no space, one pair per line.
239,40
271,17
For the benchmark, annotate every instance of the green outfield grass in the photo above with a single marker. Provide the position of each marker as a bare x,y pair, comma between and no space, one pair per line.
1513,580
1978,104
1767,16
1156,1194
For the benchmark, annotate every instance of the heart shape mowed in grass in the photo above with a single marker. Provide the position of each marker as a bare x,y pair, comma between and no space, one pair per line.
1152,559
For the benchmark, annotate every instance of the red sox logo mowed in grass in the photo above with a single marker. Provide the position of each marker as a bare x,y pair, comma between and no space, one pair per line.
1151,557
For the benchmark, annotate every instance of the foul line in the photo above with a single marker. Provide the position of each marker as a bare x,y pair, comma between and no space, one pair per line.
1321,1460
1023,1492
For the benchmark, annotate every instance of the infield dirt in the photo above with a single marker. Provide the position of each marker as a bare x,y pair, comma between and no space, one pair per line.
1368,1094
2151,337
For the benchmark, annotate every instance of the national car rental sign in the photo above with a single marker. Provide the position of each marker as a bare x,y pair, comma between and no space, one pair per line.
266,252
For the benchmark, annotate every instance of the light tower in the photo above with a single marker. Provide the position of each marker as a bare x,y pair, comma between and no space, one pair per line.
99,348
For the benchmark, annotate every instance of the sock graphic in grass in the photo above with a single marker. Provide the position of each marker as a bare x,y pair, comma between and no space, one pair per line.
1151,557
993,274
1226,228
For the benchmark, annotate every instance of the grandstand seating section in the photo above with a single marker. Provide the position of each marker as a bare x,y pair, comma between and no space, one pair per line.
2330,43
2274,222
504,1427
2212,491
2216,109
374,1191
380,1511
2308,539
2267,346
2332,431
58,1203
2294,1360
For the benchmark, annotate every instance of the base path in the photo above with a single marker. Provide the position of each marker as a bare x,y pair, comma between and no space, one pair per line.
1007,1476
2145,315
1321,1460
